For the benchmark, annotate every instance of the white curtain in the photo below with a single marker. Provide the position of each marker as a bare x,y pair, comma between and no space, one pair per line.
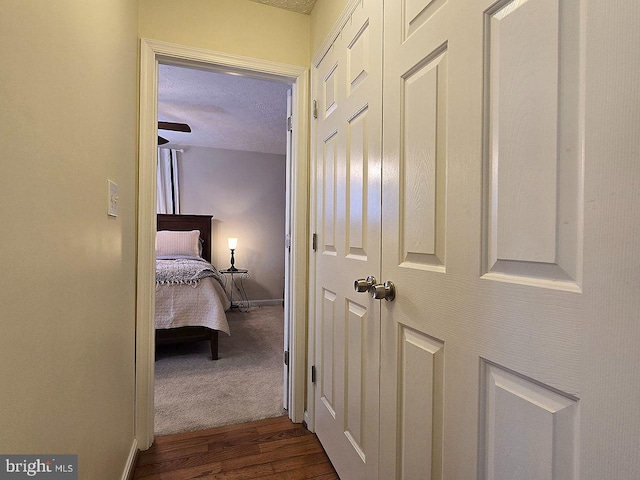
168,194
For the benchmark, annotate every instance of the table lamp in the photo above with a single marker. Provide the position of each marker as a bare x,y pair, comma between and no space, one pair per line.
233,243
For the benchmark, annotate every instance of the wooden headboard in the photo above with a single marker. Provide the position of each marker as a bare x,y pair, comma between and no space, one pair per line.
182,223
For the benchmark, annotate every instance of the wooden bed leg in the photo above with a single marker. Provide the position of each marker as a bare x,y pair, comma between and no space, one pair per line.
214,344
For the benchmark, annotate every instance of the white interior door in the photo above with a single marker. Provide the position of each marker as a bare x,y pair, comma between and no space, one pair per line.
486,216
347,86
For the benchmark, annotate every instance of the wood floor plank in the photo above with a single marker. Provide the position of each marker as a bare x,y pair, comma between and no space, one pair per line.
277,443
195,459
300,461
289,451
279,425
316,472
271,449
171,455
200,471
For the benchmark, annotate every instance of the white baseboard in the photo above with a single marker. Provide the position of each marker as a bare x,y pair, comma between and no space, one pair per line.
260,303
307,421
130,466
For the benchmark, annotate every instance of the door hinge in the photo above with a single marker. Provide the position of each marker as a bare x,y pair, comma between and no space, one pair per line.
289,124
315,109
286,358
313,374
314,242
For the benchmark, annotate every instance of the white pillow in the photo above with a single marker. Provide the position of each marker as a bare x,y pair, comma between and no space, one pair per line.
178,243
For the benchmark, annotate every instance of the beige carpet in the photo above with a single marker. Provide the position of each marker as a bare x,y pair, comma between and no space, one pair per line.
193,392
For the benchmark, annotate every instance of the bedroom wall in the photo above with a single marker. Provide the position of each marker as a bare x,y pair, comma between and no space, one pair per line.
239,27
245,192
67,291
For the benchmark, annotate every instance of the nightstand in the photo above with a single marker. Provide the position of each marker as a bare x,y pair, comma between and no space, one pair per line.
241,273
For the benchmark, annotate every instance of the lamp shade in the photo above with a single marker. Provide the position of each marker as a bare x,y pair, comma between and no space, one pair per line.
233,243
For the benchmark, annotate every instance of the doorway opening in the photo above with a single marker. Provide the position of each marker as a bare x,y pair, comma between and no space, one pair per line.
232,163
154,54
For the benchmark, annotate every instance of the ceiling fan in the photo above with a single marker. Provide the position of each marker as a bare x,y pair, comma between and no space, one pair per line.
175,127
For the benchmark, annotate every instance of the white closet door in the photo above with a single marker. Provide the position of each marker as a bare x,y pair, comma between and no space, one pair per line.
510,230
485,222
348,145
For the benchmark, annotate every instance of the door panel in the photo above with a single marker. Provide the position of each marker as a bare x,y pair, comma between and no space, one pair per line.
423,163
356,341
416,13
523,49
420,389
329,343
357,187
329,164
347,86
534,179
529,431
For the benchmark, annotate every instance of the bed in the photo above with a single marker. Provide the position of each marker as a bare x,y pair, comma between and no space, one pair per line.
194,310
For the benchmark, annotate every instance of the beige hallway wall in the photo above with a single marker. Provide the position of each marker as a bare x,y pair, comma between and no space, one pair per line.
238,27
67,295
323,17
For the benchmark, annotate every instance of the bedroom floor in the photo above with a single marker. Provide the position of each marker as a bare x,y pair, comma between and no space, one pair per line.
271,449
193,392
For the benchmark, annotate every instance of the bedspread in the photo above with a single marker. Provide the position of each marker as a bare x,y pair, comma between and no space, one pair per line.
188,305
184,271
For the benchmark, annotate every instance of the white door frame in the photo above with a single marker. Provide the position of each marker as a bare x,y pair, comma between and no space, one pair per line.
153,52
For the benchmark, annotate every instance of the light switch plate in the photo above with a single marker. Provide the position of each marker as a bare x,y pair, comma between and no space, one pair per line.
112,199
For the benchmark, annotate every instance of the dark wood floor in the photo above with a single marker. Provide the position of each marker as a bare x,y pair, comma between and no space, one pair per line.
272,449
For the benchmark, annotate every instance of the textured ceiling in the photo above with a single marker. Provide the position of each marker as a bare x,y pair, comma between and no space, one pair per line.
224,110
300,6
